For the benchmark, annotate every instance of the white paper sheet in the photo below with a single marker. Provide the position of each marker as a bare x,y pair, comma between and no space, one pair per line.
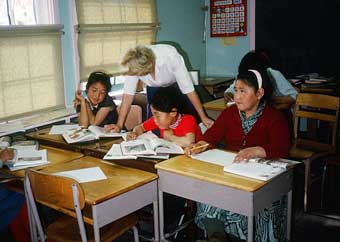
215,156
84,175
60,129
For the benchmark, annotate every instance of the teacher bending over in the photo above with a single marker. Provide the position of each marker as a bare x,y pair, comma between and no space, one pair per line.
156,66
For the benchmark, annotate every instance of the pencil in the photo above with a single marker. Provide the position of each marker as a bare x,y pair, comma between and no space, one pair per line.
199,147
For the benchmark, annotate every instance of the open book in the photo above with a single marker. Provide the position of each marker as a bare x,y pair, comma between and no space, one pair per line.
116,153
91,133
149,144
25,158
260,169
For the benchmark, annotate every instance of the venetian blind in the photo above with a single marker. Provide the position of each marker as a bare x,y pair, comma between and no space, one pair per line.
31,73
108,28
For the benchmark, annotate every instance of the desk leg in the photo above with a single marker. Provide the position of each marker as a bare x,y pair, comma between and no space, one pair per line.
95,224
156,221
289,214
250,228
161,216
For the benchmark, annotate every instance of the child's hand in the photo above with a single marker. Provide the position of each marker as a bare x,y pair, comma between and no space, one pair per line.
113,128
78,98
167,134
6,154
131,136
196,148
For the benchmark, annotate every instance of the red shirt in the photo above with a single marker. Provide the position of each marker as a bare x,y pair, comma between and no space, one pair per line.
186,125
270,131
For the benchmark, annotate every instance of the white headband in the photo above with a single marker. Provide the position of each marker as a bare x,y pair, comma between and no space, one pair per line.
258,77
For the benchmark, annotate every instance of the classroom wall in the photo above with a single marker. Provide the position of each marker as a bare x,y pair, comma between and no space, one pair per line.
182,23
223,60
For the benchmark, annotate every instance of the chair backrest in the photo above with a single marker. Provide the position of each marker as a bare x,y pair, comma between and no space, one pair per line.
317,107
54,191
134,117
57,192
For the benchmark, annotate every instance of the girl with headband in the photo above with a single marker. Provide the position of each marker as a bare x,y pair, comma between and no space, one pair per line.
254,130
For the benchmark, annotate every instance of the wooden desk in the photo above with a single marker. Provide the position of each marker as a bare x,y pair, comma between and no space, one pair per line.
217,85
215,107
94,148
207,183
124,191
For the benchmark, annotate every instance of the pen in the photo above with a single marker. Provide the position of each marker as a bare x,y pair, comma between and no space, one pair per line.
199,147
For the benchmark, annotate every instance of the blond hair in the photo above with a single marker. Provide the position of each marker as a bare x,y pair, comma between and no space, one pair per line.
140,61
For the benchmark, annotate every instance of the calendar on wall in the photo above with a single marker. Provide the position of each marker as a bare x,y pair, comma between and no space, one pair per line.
228,18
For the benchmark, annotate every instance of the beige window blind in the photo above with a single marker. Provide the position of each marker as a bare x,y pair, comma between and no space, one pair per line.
31,73
108,28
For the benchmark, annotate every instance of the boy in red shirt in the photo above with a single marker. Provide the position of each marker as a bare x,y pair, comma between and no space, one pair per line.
168,118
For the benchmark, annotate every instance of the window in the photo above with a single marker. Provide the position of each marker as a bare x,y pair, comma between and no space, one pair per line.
31,73
108,28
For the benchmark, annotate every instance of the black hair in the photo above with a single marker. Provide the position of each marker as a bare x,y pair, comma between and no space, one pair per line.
256,60
100,77
250,79
166,99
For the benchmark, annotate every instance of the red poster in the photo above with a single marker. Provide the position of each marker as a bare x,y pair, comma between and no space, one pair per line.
228,18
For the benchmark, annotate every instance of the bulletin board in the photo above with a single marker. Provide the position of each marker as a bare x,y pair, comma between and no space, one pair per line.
228,18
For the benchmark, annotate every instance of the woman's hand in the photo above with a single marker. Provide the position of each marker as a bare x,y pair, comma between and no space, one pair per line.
249,153
199,147
207,122
113,128
6,154
131,136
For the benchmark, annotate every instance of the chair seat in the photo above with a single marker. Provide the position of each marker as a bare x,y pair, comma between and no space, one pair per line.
300,153
65,229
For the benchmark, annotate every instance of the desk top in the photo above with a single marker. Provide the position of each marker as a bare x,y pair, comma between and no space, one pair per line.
187,166
96,148
217,105
119,180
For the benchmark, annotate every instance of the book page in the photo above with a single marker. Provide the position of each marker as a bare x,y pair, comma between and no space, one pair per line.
161,145
116,153
260,171
79,135
100,132
84,175
215,156
137,147
60,129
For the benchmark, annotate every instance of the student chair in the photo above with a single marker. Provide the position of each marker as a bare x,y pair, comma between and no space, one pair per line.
319,109
66,196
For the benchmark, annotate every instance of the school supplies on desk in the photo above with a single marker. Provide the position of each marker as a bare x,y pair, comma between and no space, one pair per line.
260,169
91,133
116,153
63,128
84,175
25,158
149,144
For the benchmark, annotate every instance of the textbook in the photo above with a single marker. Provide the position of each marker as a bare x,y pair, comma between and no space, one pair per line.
149,144
26,158
6,142
116,153
260,169
91,133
